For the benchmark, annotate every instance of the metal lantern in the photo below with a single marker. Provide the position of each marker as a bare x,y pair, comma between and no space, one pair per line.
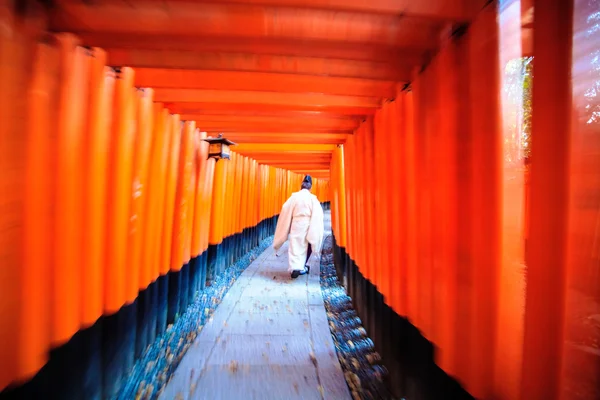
218,147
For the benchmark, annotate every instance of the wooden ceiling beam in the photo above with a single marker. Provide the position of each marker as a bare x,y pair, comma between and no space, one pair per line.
327,67
295,168
228,123
264,46
305,163
262,81
243,21
301,163
310,171
267,98
451,10
287,156
277,148
265,109
260,113
225,128
291,138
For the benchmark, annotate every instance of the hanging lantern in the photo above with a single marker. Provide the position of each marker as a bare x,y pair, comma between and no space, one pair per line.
218,148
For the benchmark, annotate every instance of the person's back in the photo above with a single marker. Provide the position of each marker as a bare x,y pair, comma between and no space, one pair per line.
301,219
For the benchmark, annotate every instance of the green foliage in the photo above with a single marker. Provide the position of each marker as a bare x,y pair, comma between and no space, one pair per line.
516,109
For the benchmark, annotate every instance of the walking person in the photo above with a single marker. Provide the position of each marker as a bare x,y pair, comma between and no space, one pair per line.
300,222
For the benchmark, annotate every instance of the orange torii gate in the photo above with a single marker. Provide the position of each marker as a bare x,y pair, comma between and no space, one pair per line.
471,271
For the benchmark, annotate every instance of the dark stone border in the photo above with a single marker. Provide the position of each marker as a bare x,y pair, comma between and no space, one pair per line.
153,371
365,375
407,354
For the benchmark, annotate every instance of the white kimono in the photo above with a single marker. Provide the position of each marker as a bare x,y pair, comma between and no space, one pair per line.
301,218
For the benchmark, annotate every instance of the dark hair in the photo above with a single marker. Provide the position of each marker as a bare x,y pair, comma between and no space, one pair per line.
307,182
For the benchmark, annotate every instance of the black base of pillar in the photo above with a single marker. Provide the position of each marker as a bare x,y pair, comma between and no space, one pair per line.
406,353
143,319
97,361
74,371
202,267
184,296
214,262
162,304
174,291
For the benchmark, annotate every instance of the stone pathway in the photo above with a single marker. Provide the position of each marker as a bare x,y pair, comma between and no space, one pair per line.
268,339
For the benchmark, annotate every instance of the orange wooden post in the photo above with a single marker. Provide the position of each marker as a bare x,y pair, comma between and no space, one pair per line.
356,215
389,276
190,274
31,330
137,273
239,187
117,272
96,156
347,151
246,193
66,303
422,206
359,178
178,280
175,139
200,157
253,200
235,175
262,202
121,152
342,202
332,166
191,199
206,215
155,200
230,203
247,204
217,220
396,214
369,182
435,156
153,136
462,193
255,195
242,217
412,207
227,197
547,258
335,217
352,196
260,189
233,211
377,230
445,144
210,179
349,160
361,229
194,198
182,206
486,167
271,189
13,58
174,134
358,200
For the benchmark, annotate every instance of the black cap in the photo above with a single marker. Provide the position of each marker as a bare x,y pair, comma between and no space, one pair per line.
308,179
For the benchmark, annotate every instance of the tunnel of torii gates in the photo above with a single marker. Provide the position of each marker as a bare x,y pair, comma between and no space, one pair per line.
463,255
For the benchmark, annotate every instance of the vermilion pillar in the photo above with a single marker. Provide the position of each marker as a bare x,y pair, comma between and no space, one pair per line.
546,261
